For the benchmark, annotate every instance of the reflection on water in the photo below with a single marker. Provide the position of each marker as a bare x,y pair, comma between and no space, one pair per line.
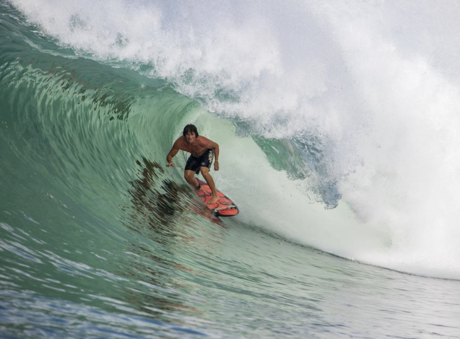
155,200
159,210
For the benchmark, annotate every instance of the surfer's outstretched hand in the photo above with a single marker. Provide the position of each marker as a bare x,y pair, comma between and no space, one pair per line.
216,166
170,164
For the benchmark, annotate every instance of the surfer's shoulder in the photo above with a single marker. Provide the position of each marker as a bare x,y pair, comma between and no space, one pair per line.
202,141
180,142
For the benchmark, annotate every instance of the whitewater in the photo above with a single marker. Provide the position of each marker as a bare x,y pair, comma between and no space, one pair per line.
338,124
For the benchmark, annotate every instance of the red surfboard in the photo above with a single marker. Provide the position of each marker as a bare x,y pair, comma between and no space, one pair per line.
224,207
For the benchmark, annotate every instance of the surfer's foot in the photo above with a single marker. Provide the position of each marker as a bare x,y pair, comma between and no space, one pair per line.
213,200
198,187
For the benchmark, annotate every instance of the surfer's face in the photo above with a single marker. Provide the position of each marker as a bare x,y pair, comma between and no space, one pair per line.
190,137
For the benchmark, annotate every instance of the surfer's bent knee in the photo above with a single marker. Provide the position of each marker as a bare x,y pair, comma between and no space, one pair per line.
204,170
189,174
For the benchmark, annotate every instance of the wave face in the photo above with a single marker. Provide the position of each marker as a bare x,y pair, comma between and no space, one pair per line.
338,126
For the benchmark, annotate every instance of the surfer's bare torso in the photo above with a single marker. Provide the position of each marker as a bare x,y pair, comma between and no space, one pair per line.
197,148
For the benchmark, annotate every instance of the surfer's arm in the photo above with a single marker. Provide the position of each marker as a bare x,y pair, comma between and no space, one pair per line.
215,146
171,155
216,155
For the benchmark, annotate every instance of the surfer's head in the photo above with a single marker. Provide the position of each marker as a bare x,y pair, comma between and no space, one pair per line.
190,129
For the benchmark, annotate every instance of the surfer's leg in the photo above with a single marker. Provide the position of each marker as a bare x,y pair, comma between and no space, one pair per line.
210,182
189,175
192,167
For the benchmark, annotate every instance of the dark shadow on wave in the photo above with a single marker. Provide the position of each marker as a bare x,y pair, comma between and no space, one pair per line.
155,200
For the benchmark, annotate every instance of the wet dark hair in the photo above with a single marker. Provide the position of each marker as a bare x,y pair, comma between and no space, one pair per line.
190,129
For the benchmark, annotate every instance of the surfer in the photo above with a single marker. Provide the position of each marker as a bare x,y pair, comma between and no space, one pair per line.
201,152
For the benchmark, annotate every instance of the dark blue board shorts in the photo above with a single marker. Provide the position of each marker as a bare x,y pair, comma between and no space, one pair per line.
195,163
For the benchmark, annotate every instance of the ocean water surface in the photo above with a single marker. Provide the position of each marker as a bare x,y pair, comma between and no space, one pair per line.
338,124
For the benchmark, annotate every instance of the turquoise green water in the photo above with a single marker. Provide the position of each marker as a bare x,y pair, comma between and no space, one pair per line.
99,239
